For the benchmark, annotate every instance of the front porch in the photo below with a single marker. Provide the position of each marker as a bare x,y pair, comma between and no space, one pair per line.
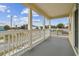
42,41
53,46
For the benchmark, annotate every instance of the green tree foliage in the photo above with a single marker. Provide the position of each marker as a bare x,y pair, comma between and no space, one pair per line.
24,26
7,27
60,25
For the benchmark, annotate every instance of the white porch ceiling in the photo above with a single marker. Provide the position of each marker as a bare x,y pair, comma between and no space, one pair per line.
52,10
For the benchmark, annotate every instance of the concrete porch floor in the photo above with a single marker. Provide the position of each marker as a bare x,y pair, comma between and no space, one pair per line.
54,46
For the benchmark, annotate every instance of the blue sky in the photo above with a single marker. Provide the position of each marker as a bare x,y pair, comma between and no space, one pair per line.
19,15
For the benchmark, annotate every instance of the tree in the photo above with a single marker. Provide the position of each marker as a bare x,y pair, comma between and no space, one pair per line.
46,26
53,26
6,27
36,28
41,27
60,25
24,26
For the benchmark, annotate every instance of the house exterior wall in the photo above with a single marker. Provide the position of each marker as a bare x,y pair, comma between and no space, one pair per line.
78,27
72,28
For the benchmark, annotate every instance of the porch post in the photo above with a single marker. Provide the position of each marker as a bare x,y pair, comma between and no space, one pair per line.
78,27
44,26
30,20
69,25
30,27
50,28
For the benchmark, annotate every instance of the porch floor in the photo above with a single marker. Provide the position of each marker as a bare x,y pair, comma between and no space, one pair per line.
54,46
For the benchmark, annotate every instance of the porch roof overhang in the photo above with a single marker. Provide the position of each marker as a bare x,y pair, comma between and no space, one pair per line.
51,10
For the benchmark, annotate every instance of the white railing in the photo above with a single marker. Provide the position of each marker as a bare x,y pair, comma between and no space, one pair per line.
15,40
59,32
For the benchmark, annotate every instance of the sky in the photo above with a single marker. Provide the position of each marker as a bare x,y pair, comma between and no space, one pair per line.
19,15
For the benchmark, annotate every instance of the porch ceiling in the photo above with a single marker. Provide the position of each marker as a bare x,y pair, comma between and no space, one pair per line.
51,10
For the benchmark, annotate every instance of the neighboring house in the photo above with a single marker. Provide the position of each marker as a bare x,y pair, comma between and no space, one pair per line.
1,28
1,38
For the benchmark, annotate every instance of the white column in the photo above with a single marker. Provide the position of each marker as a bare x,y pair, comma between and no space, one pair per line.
69,25
49,28
44,26
30,27
30,20
43,23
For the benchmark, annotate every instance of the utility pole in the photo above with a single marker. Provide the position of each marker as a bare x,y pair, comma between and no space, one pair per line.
11,21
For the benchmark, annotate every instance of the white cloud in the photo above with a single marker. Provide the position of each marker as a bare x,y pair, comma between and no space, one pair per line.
15,19
3,23
8,11
12,16
15,16
20,20
24,11
36,20
3,8
24,19
8,16
35,14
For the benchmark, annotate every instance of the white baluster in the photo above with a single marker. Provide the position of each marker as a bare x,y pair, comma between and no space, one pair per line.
17,41
9,43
